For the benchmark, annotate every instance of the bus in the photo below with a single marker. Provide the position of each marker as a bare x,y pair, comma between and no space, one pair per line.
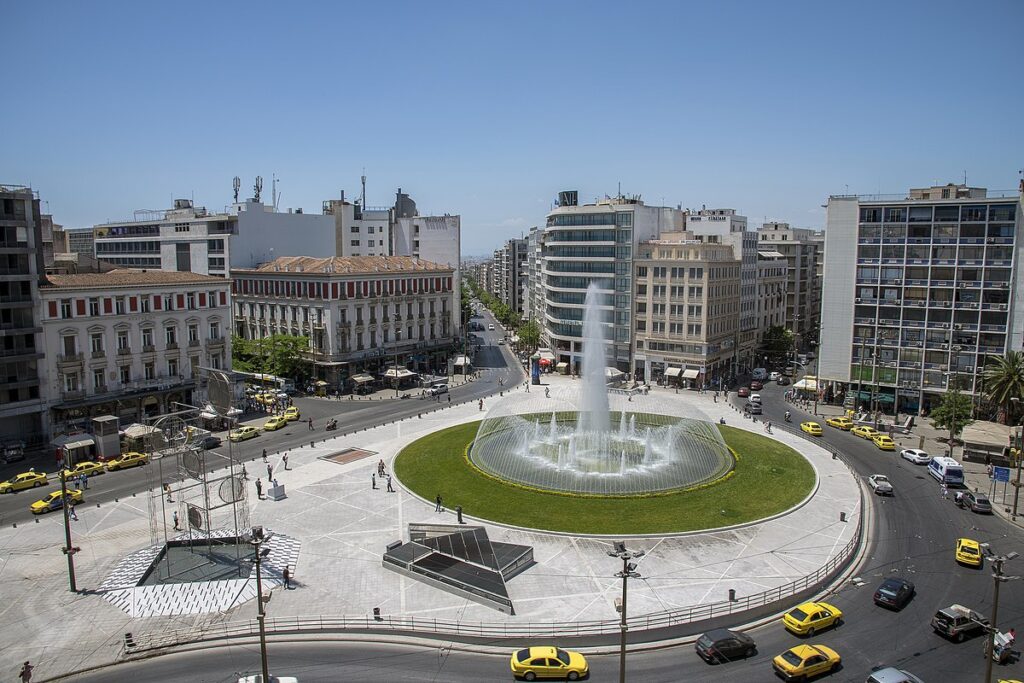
947,471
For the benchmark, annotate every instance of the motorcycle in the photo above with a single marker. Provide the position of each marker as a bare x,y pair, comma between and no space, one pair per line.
788,419
331,425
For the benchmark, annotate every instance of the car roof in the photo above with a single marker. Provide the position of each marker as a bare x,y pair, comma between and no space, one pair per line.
722,633
538,651
891,674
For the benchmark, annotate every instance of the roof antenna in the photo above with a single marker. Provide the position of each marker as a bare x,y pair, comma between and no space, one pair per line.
236,184
363,178
965,176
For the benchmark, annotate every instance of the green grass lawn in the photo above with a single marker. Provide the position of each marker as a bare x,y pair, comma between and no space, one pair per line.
769,478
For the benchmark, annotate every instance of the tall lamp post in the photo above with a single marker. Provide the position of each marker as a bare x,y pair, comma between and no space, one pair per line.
998,576
258,539
68,549
628,572
1020,458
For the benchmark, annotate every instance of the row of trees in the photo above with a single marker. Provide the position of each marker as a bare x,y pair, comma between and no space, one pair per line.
279,354
527,331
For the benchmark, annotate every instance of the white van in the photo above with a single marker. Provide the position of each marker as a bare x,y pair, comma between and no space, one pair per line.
946,470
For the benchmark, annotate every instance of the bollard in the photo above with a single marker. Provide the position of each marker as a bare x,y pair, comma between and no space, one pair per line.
129,641
732,595
376,614
458,512
312,443
835,457
842,516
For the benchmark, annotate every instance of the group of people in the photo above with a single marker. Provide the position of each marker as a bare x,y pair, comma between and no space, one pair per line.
382,474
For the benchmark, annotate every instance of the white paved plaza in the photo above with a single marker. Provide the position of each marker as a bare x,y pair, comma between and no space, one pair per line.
342,526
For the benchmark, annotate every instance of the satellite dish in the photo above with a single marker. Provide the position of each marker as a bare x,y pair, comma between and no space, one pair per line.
219,389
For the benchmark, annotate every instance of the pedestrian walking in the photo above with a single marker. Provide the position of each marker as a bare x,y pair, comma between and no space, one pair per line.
264,455
287,575
945,491
270,472
449,399
71,511
177,527
380,468
438,501
310,424
390,490
481,404
245,474
85,481
373,481
284,459
259,489
167,490
26,673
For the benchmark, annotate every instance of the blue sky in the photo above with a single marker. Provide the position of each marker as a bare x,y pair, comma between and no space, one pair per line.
489,109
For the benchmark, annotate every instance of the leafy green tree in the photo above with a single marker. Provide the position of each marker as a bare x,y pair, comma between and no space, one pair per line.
777,342
953,412
282,355
1004,380
529,335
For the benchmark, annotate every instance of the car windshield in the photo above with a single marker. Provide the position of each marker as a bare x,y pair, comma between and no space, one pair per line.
798,614
563,656
881,478
704,641
792,658
888,589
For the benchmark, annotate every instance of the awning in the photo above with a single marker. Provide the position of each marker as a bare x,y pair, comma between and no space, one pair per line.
362,378
690,373
461,360
399,373
548,355
771,254
561,366
74,441
611,373
137,430
673,372
544,361
806,384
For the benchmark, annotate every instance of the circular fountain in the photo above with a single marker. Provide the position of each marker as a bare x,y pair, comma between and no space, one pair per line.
587,440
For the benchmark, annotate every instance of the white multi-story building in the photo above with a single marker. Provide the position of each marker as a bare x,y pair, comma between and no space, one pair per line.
80,241
510,274
919,292
772,274
128,343
801,247
191,239
361,313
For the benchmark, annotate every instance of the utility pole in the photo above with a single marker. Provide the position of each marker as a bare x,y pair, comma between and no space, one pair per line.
628,572
997,575
1020,458
68,549
257,540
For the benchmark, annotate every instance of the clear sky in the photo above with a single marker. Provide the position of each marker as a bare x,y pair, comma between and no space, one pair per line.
488,109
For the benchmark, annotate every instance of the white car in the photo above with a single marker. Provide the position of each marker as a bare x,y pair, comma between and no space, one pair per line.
755,398
774,377
258,678
916,456
879,483
490,326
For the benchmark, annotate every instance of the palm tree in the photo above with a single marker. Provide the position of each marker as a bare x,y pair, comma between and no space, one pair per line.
1004,380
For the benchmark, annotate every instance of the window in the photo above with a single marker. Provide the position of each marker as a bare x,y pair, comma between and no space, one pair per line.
119,305
122,341
94,306
369,229
65,308
641,271
181,227
215,361
144,304
355,243
171,334
147,338
693,330
71,382
193,332
172,367
354,229
126,374
70,345
190,298
148,371
168,302
98,382
96,342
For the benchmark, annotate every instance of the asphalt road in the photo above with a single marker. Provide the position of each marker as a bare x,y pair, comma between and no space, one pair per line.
913,537
498,369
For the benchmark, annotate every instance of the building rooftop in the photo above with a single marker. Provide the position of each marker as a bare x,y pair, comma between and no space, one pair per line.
129,277
346,265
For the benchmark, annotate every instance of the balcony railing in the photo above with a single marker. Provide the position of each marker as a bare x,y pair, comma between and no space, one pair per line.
148,348
70,358
124,351
193,343
172,346
99,353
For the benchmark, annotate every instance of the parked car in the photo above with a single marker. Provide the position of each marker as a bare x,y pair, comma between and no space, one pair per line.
743,392
916,456
753,408
756,385
890,674
977,502
88,468
25,480
13,451
894,593
723,645
958,623
880,484
884,442
968,551
210,441
126,460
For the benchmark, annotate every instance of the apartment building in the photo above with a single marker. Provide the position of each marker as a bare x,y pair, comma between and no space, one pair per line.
534,285
803,249
919,291
361,313
772,284
128,343
21,271
510,268
80,241
687,307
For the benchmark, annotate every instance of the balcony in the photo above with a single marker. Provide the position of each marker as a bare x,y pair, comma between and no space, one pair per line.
172,346
74,395
148,348
124,351
99,353
194,343
70,358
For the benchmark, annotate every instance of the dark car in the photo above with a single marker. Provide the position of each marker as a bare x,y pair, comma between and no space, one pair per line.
977,502
894,593
743,392
756,386
211,441
753,408
783,381
723,645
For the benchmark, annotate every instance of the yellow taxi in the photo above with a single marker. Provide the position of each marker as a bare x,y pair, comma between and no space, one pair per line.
532,663
87,468
968,551
812,428
811,617
25,480
805,661
844,423
274,423
292,414
884,442
126,460
243,433
54,501
864,432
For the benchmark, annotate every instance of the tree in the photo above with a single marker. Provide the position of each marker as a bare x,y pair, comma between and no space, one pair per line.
953,412
1004,380
777,342
282,355
529,335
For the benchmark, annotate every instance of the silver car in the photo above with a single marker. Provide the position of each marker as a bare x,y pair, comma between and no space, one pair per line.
879,483
891,674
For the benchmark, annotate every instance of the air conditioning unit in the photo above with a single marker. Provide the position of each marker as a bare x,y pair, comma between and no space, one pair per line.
957,348
943,367
897,282
857,300
969,369
1004,285
963,285
958,327
973,305
1002,307
945,346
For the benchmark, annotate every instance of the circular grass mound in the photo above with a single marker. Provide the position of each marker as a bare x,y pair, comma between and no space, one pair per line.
768,478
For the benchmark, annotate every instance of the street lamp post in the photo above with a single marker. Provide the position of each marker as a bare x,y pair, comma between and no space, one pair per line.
1020,458
257,540
998,577
68,549
628,572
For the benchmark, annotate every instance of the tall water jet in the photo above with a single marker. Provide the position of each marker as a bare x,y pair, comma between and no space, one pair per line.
553,430
593,416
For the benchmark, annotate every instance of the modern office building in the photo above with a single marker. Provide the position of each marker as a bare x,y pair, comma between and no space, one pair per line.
510,276
128,343
772,283
361,313
919,291
21,271
534,287
80,241
687,310
802,249
595,243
